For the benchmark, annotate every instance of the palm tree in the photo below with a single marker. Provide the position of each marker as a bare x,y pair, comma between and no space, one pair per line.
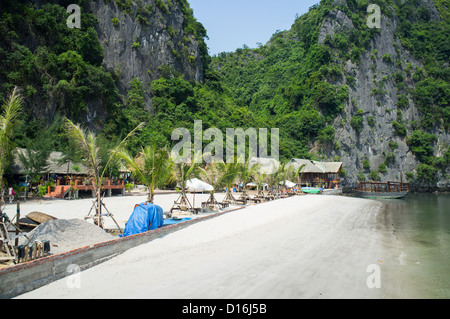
283,173
212,176
152,166
296,173
182,173
8,119
276,179
229,173
260,181
246,174
90,151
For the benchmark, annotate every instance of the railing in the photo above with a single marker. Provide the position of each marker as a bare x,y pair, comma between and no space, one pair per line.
81,184
61,189
382,187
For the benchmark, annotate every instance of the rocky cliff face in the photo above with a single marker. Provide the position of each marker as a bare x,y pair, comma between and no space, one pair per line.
139,45
85,73
374,97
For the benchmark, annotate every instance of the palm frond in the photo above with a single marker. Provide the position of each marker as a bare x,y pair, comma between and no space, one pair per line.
122,144
132,165
87,143
8,119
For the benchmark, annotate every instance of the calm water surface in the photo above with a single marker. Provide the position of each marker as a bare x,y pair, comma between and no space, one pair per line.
422,223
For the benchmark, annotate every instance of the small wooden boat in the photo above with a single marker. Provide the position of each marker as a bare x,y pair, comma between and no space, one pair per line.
39,217
312,190
382,190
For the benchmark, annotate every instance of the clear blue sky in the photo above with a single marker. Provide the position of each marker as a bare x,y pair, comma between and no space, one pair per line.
232,23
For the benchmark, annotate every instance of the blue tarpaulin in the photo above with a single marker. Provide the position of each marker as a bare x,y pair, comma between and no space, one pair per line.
174,221
145,217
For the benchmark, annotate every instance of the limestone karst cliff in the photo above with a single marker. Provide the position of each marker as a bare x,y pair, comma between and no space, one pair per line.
375,98
85,72
383,94
148,35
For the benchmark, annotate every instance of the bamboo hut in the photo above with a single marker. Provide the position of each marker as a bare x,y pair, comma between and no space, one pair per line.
314,173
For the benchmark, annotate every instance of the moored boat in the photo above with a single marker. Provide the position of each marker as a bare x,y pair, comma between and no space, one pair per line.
382,190
312,190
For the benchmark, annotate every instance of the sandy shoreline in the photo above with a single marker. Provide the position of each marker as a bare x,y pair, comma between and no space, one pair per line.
307,246
120,206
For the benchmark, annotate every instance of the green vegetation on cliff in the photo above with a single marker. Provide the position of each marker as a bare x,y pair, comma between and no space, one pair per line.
294,82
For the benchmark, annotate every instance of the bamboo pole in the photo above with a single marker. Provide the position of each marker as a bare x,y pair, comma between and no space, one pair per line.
17,222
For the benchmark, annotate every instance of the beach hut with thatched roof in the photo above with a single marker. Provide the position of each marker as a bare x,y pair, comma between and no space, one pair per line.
314,173
55,165
66,173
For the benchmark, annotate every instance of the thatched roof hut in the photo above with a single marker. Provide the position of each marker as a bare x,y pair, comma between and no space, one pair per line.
315,166
317,172
56,166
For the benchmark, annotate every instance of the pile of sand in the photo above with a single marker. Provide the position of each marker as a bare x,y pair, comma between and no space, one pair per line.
67,234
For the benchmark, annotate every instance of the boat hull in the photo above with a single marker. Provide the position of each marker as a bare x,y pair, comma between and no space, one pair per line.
312,190
374,195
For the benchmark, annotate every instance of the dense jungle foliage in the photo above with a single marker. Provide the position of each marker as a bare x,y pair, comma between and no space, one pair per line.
292,83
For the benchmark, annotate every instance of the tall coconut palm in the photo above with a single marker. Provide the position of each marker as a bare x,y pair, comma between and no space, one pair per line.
90,151
8,119
152,166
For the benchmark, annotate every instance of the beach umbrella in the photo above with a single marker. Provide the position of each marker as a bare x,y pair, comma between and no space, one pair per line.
197,185
289,184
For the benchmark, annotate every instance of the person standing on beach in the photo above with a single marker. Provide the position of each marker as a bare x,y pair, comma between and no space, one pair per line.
11,194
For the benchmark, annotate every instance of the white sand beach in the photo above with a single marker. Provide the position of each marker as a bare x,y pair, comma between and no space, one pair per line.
120,206
309,246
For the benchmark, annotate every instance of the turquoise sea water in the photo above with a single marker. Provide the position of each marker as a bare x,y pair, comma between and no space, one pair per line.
422,223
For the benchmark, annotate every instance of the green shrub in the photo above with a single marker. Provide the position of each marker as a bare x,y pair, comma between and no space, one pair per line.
115,22
129,187
42,190
420,144
366,164
374,176
402,101
387,58
393,145
409,176
426,174
357,121
399,128
390,159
